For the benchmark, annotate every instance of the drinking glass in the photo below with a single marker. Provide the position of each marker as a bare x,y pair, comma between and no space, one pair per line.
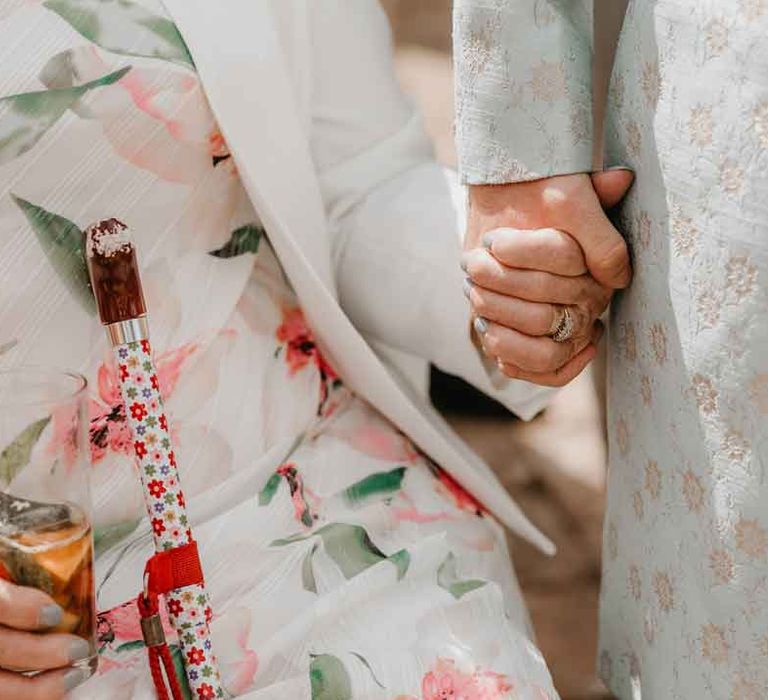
45,506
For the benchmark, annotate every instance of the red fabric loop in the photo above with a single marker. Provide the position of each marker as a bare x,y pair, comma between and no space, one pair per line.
174,568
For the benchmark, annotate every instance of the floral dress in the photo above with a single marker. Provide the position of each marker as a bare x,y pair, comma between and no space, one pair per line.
341,562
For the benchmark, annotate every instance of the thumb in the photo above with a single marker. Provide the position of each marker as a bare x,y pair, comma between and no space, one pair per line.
612,185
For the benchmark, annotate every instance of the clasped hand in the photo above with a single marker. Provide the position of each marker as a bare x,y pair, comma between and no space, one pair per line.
534,249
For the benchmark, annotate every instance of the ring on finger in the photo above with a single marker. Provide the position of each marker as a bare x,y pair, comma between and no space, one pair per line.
563,325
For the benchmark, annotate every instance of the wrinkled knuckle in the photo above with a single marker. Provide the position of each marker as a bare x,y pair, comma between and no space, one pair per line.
613,258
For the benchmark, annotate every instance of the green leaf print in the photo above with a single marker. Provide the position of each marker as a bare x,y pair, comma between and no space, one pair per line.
374,487
25,118
62,242
108,535
16,455
448,578
243,240
307,572
130,646
124,27
329,679
351,548
270,489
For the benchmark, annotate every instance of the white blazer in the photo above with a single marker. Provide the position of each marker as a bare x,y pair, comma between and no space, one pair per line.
339,169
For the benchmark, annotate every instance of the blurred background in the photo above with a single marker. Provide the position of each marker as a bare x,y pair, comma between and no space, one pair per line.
555,465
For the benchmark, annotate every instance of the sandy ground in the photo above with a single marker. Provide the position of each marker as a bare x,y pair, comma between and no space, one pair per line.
554,466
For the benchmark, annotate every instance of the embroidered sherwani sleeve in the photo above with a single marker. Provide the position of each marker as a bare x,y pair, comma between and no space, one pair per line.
523,88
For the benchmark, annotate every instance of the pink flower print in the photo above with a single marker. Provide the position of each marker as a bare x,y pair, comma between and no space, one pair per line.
446,682
301,508
158,526
208,614
124,623
239,663
109,387
156,488
140,448
157,456
138,411
172,458
119,437
195,657
300,344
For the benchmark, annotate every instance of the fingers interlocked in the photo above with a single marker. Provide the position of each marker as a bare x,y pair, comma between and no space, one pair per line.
519,286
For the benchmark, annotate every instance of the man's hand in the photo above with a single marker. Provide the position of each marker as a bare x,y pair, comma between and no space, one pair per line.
533,248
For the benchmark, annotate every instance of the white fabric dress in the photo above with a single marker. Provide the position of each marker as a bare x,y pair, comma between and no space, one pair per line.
341,562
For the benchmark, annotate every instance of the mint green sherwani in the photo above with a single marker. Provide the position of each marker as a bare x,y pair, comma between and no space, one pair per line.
684,610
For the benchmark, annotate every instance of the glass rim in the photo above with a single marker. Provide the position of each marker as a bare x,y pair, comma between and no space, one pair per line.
79,388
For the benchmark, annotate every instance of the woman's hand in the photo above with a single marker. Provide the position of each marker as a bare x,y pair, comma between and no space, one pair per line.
27,617
518,285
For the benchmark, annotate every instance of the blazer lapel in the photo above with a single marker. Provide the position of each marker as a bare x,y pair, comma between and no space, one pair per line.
239,60
236,50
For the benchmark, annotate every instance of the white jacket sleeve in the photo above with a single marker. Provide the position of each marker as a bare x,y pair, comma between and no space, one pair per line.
393,211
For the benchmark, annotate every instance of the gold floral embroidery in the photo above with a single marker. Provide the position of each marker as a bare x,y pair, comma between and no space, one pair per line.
758,390
617,90
716,36
638,505
662,586
735,446
651,83
741,276
646,390
622,435
746,690
684,233
760,123
753,9
705,393
751,538
635,584
642,228
548,81
700,126
731,176
714,647
708,303
634,138
721,564
629,341
659,342
653,478
693,492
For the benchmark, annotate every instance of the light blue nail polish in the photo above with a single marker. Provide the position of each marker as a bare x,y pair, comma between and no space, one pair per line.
481,325
75,677
50,615
488,240
467,285
79,649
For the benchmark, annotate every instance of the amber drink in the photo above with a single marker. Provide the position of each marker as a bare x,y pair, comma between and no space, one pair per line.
46,540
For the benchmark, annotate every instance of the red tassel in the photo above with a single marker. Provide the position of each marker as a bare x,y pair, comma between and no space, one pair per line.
157,648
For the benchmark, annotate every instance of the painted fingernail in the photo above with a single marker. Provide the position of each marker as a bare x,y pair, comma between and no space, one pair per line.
467,286
75,677
50,615
79,649
481,325
464,262
488,240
